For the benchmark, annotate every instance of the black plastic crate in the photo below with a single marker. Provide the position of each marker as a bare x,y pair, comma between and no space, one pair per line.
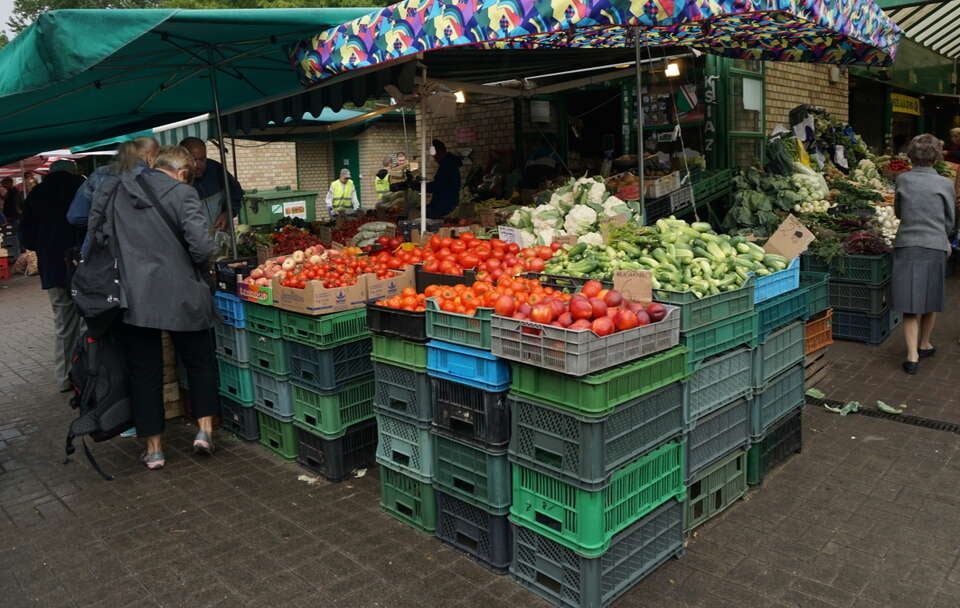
777,446
486,538
857,297
656,209
330,369
397,323
336,459
424,279
403,392
227,272
239,419
470,413
868,329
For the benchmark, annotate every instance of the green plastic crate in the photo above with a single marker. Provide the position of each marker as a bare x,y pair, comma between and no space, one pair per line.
262,207
268,354
817,285
711,185
715,489
586,521
277,436
720,337
865,269
404,353
778,444
325,331
781,350
330,413
779,311
263,320
236,381
855,297
697,312
478,476
411,501
597,394
459,329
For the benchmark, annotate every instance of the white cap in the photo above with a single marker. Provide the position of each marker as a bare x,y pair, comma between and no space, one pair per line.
344,172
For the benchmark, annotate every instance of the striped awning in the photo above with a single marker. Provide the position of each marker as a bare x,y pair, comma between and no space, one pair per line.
935,25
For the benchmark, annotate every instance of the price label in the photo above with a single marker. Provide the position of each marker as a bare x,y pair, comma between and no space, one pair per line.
567,239
509,234
634,285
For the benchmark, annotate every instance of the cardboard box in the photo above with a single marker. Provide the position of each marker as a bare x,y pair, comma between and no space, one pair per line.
657,187
315,299
258,294
377,289
790,239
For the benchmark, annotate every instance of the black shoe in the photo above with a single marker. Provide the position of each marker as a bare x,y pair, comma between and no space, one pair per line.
927,352
911,367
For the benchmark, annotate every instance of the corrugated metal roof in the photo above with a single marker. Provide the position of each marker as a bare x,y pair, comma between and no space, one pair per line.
935,25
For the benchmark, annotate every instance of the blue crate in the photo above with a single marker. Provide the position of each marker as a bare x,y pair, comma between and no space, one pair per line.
230,308
777,283
780,396
779,311
470,366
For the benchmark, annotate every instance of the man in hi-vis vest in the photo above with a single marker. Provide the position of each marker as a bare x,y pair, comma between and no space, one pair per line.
342,195
382,182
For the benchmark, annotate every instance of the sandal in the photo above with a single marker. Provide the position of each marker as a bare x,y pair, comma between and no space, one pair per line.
154,460
203,443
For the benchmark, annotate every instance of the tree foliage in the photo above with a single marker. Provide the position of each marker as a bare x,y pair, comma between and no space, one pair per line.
26,11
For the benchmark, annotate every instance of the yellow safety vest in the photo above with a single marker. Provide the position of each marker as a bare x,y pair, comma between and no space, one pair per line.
382,186
342,194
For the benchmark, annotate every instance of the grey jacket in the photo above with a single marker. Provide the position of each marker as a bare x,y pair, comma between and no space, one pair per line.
161,283
925,205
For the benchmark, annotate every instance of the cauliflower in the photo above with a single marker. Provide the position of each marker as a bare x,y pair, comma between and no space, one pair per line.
597,193
581,219
545,236
546,216
527,239
591,238
562,200
613,206
520,218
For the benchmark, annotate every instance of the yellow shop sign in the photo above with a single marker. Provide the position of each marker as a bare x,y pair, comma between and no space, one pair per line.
904,104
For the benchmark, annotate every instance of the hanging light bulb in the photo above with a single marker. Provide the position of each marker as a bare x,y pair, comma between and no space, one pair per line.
673,70
460,96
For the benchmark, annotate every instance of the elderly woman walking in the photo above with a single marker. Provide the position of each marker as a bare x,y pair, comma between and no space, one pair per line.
925,206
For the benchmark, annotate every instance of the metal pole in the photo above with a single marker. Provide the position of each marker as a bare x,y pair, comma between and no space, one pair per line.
223,161
636,45
233,150
423,154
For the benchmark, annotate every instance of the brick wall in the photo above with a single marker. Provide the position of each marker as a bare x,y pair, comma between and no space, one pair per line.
788,85
381,140
261,165
314,161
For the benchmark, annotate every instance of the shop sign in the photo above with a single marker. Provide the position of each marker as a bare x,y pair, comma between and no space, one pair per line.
710,100
905,104
292,209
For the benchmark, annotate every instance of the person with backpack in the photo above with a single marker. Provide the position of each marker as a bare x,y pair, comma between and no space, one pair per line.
44,229
162,242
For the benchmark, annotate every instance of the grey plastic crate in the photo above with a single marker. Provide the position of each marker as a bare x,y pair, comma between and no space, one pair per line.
484,536
241,420
330,368
783,349
473,474
716,435
567,579
273,395
403,392
584,451
715,489
716,382
778,398
232,343
578,353
405,446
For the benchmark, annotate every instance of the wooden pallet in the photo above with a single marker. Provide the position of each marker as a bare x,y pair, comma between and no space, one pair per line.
815,367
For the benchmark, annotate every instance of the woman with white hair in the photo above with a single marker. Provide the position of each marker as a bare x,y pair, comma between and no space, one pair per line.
925,205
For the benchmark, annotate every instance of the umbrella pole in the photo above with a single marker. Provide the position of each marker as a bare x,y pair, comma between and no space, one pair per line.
233,151
223,162
423,155
640,154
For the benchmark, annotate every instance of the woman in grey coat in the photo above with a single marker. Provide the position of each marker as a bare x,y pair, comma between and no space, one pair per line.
163,240
925,205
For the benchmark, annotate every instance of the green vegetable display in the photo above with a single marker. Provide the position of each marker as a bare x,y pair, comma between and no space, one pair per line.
682,257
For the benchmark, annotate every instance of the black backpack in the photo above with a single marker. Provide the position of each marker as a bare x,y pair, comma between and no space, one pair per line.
98,375
97,287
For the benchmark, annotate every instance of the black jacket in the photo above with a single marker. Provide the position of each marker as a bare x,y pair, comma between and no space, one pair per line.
44,227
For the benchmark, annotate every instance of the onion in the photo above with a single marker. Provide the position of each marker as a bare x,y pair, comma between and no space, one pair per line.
316,260
298,256
288,264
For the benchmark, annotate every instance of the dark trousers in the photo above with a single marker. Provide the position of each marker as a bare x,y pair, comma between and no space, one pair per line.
144,354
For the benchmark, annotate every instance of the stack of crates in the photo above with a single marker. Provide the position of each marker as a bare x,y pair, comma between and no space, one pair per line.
326,420
719,333
404,410
596,456
237,396
818,331
778,368
859,296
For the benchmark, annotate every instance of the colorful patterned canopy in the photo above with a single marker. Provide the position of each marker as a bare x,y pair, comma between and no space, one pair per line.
840,31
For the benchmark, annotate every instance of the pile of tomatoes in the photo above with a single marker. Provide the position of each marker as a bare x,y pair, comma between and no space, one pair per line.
335,271
408,299
491,259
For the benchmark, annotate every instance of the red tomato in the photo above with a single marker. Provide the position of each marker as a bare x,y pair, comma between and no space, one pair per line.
468,260
565,320
544,253
458,246
591,288
599,307
625,319
580,324
580,307
524,309
535,265
603,326
542,313
505,306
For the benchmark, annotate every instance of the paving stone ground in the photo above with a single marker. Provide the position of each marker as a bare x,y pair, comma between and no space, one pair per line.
868,516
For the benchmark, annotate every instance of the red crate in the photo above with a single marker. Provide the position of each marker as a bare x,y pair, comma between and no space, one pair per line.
4,269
